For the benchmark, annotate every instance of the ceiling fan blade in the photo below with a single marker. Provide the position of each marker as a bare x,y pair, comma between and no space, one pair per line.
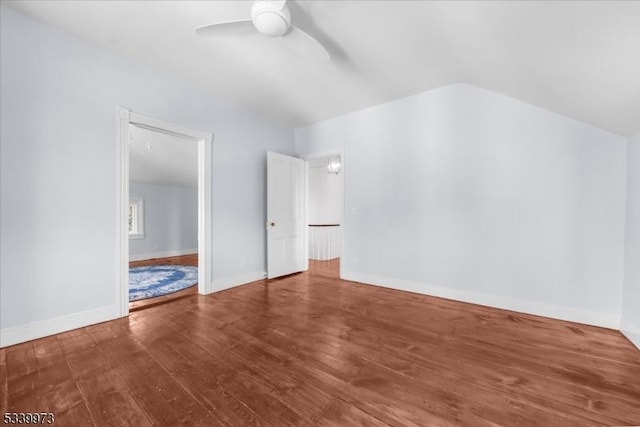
278,3
231,28
306,44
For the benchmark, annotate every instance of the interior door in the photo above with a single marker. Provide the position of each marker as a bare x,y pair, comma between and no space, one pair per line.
285,215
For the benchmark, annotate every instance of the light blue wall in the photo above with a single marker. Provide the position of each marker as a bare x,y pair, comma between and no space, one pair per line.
170,220
631,296
480,196
58,219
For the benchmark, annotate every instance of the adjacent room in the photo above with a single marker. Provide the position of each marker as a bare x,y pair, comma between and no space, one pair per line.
351,212
162,217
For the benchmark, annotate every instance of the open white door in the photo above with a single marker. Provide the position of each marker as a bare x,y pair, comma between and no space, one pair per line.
285,215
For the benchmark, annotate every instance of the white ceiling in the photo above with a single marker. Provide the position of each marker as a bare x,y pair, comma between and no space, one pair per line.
580,59
157,158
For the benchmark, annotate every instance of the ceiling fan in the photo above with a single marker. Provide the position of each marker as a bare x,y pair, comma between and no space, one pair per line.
270,18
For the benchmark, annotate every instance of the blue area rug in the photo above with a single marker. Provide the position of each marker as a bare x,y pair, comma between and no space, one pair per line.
157,280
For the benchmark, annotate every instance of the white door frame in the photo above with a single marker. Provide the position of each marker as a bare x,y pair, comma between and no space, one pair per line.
315,155
127,118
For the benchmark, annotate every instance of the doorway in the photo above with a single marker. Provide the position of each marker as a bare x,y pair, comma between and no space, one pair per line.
163,217
141,136
325,206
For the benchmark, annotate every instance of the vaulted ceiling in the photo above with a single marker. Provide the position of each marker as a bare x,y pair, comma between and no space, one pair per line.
579,59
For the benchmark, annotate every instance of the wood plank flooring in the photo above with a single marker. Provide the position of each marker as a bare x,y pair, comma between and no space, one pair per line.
311,349
176,260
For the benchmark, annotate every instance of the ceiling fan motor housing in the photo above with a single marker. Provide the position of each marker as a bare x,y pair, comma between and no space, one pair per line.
270,19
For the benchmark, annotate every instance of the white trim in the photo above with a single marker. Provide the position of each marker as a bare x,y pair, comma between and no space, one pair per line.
305,235
630,330
128,118
204,214
44,328
163,254
571,314
157,125
243,279
122,203
343,250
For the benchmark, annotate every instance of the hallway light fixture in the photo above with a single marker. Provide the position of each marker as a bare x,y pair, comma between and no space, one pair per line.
333,166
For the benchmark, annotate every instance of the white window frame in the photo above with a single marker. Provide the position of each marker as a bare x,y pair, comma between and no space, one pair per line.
136,205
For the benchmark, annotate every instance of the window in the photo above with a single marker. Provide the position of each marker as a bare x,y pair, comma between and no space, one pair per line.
136,219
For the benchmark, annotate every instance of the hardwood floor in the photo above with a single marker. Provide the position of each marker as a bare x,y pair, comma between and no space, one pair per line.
176,260
310,349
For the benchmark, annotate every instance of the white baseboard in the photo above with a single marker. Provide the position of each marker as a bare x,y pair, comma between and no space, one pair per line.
560,312
164,254
631,331
243,279
43,328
